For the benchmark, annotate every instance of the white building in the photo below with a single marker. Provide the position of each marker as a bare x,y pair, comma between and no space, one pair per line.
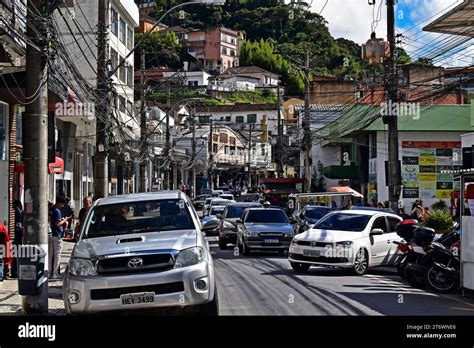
240,116
78,20
189,78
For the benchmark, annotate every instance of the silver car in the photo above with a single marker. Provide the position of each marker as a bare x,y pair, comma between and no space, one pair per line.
264,229
141,251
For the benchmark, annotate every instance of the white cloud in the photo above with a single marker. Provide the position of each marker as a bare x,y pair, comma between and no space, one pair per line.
351,19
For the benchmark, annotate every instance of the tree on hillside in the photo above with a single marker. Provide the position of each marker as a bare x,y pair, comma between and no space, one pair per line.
262,54
163,49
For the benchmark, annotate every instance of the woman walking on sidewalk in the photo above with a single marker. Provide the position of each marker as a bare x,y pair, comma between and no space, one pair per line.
5,254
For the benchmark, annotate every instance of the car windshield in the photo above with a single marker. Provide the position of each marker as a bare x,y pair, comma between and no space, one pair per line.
236,211
266,216
138,217
217,210
221,202
316,213
343,222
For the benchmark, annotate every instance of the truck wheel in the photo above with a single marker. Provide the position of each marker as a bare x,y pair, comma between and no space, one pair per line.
210,308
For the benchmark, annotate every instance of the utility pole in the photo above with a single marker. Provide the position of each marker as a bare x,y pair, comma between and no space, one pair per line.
194,153
211,155
101,175
307,143
35,131
144,161
250,155
167,139
279,157
394,174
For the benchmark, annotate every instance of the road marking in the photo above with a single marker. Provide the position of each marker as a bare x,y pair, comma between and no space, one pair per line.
462,309
457,299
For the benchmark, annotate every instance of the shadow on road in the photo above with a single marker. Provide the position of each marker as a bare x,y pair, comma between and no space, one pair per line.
230,255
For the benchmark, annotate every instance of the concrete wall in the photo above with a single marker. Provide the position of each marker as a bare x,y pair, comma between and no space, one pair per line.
333,92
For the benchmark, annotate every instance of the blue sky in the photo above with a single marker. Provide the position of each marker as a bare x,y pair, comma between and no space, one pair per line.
352,19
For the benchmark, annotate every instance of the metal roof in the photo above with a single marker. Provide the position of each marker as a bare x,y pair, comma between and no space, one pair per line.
457,21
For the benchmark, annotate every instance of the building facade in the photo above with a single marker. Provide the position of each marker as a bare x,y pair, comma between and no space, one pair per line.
216,49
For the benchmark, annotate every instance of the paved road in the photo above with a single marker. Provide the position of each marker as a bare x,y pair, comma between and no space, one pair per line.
265,284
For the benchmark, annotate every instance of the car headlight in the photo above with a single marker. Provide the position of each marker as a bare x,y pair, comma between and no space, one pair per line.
189,257
290,234
247,233
344,244
81,267
294,241
227,224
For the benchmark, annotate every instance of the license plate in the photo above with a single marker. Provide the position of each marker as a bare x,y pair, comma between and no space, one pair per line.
136,299
272,241
312,253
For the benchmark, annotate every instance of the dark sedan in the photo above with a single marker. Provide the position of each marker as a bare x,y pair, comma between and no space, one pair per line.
228,222
264,229
310,215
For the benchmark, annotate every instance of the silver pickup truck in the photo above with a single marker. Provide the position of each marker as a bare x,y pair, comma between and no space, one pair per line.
138,252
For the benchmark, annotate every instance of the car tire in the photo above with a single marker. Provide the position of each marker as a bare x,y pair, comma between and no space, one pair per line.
361,262
415,279
222,243
210,309
300,267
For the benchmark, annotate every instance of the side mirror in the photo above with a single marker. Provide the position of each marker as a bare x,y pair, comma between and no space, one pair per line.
219,216
376,232
239,221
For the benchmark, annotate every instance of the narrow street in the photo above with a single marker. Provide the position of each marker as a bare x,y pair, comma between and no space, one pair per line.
265,284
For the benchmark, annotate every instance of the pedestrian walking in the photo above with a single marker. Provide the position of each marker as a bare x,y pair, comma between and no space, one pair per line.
58,223
67,210
86,205
5,253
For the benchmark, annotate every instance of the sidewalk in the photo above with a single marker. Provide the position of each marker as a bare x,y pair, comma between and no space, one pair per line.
10,299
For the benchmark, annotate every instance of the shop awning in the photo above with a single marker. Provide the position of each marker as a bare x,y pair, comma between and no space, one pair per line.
345,189
57,167
341,172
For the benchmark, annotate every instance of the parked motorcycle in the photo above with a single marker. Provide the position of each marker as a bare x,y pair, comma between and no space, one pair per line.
444,275
426,254
405,229
420,256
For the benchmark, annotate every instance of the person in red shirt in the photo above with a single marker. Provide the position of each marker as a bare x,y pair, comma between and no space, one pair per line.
5,256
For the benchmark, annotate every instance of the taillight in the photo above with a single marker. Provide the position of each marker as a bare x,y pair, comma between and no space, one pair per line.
409,222
403,248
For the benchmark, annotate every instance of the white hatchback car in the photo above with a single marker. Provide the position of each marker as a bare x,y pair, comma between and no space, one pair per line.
356,239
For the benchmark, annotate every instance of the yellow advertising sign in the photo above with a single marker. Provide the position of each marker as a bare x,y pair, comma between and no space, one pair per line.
446,194
427,177
427,160
428,185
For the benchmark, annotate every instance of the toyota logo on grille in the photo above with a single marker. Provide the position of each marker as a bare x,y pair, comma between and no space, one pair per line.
135,263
